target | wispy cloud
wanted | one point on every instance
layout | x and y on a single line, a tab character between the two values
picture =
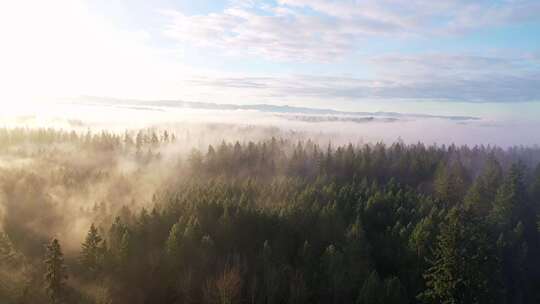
67	49
328	29
281	36
444	77
425	16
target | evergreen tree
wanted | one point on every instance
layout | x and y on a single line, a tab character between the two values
514	220
125	250
229	286
394	292
56	273
370	224
451	182
7	252
464	267
511	199
271	275
371	290
92	253
334	271
481	195
357	255
423	235
174	241
534	188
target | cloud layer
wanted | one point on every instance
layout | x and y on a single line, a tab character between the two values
326	53
329	31
442	77
326	29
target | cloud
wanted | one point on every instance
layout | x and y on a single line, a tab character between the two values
62	48
443	77
421	16
327	29
283	35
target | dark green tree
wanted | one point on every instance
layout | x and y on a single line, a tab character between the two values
451	182
481	195
357	256
56	273
333	261
514	218
535	186
371	290
92	253
464	267
511	199
394	292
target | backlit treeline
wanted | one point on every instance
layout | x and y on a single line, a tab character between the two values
101	140
270	221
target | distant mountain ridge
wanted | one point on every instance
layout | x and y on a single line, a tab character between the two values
147	104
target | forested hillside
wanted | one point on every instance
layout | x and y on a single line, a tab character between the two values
142	217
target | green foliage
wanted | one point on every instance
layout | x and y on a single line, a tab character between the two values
371	292
535	185
481	195
511	199
8	254
92	252
377	291
276	221
334	266
464	267
56	273
451	182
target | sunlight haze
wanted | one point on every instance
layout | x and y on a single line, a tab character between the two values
433	58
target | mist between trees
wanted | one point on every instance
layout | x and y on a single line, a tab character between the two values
182	216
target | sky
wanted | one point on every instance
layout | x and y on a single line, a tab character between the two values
461	57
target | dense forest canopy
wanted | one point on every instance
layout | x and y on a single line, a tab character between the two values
150	217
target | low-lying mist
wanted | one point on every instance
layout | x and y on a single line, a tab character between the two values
195	179
341	127
57	182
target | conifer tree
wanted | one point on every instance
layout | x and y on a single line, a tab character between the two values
534	188
92	251
334	266
451	182
357	255
125	249
7	253
229	286
511	199
371	290
394	292
481	195
513	219
464	267
174	240
56	273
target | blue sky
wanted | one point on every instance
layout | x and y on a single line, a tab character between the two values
443	57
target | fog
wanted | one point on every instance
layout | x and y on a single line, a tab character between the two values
342	127
38	173
68	166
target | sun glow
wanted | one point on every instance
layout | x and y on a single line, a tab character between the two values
57	48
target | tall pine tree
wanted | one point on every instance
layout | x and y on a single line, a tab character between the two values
92	251
56	273
464	266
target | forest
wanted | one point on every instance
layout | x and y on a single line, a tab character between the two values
146	216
